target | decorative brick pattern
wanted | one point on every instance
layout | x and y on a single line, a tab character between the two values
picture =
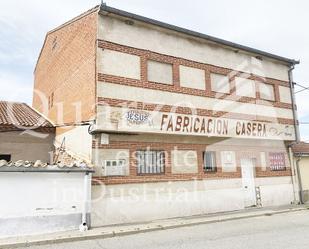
148	55
186	110
133	177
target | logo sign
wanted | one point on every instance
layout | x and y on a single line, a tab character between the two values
137	117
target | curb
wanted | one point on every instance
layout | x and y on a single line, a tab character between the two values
94	234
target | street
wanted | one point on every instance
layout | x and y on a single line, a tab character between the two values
289	230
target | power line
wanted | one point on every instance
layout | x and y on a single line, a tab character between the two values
304	88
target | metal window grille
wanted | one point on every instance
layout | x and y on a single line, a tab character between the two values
277	161
150	162
210	161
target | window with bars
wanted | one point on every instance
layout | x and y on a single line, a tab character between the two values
277	161
209	161
150	162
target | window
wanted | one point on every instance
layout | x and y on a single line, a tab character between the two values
277	161
209	161
5	157
150	162
160	72
115	167
220	83
267	91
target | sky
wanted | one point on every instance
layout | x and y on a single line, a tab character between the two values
275	26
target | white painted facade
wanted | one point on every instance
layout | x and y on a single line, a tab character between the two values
41	202
114	29
125	203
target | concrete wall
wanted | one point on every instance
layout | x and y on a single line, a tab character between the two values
25	146
275	191
78	142
285	94
266	91
119	64
220	83
150	37
127	203
304	174
245	87
192	77
33	203
160	72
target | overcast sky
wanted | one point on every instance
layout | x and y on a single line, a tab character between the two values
276	26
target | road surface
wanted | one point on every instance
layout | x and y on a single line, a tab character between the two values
289	230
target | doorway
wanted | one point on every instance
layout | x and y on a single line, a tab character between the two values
248	183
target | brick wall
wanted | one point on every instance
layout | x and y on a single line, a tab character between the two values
66	70
133	177
175	87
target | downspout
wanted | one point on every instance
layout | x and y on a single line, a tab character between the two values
295	116
84	224
301	199
297	135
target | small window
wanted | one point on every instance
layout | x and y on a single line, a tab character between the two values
277	161
150	162
5	157
209	161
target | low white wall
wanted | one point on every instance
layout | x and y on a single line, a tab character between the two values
276	191
127	203
34	203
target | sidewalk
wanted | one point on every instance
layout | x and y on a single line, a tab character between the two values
127	229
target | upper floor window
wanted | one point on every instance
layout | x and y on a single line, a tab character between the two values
245	87
220	83
267	91
150	161
160	72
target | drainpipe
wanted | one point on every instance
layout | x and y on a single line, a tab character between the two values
297	135
300	185
295	116
84	226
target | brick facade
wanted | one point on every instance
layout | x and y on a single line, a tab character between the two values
65	71
133	177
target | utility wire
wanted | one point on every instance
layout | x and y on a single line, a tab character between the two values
304	88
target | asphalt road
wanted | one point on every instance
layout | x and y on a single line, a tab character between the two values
290	230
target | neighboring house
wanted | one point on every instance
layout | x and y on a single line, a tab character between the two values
175	122
301	156
38	196
24	133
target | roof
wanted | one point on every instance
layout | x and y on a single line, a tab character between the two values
104	8
38	166
301	148
20	116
